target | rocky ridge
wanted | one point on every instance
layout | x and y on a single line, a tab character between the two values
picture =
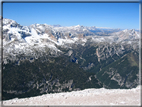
19	39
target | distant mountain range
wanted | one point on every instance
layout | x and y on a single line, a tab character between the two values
42	58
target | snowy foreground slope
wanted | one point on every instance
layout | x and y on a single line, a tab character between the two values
85	97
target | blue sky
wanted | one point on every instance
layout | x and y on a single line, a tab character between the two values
113	15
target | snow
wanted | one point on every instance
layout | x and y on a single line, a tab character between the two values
42	39
84	40
17	46
104	27
75	39
77	26
49	39
41	28
60	41
28	39
34	33
63	41
8	21
14	31
5	27
44	36
84	97
84	29
98	39
51	46
126	30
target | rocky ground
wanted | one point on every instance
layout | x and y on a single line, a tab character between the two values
84	97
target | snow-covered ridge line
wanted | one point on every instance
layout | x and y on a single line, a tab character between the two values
43	35
84	97
37	30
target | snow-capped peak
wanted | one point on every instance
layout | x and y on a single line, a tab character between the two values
43	34
77	26
10	23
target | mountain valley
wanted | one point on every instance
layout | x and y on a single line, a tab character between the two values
41	58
